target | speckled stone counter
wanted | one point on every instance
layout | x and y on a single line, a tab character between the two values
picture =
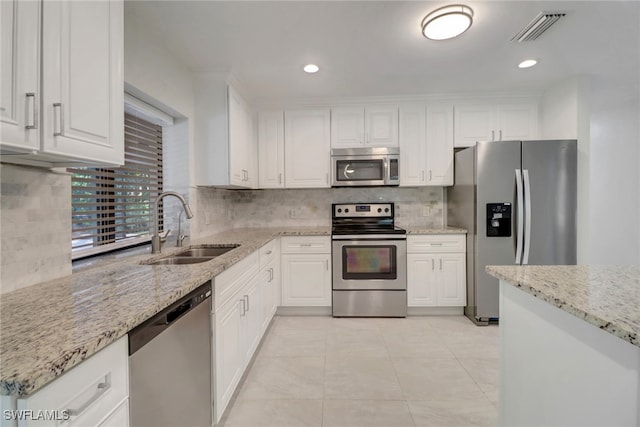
48	328
606	297
435	230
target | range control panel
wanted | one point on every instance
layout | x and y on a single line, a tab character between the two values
364	210
498	219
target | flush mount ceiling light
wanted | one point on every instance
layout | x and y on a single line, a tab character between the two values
527	63
447	22
311	68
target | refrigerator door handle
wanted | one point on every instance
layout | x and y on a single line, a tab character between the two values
520	218
527	206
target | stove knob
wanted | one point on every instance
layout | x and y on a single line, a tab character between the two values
379	210
339	210
386	209
346	210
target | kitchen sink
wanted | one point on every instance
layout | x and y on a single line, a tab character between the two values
193	255
209	251
179	260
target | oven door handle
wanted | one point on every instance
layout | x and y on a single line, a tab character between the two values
369	237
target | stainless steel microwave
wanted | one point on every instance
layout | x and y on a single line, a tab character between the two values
352	167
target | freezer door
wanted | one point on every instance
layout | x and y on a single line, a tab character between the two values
550	231
496	167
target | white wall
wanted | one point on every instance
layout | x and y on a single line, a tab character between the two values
604	116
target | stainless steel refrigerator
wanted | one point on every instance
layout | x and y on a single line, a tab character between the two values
517	199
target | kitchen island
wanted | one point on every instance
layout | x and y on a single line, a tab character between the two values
569	345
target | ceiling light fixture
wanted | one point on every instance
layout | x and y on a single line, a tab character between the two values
311	68
527	63
447	22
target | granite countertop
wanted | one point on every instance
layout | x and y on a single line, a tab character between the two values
607	297
435	230
48	328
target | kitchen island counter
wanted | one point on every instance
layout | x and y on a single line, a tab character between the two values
569	348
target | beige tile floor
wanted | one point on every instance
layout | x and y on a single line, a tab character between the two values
326	372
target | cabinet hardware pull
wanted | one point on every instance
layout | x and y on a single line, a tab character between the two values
493	135
101	389
436	244
327	177
440	264
279	178
34	124
422	179
247	298
60	118
269	252
305	245
326	264
433	267
500	132
271	275
244	307
430	175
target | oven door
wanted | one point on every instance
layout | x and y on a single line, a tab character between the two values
349	171
361	263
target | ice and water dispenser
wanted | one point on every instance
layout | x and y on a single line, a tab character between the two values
498	219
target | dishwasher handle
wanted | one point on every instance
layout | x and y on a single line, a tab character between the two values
152	327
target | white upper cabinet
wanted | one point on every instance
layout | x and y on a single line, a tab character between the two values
20	74
372	126
439	168
413	145
495	122
307	148
79	109
242	147
271	149
226	151
426	145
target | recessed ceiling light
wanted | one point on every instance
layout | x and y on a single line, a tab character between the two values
447	22
527	63
311	68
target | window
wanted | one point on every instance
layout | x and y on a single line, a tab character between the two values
113	208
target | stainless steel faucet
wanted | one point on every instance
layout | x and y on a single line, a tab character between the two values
156	240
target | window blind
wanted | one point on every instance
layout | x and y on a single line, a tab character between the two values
113	208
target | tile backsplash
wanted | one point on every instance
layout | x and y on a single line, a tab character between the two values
312	207
35	225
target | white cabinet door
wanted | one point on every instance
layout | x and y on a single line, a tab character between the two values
347	127
270	282
413	145
252	318
452	280
517	122
82	80
307	148
271	149
306	280
439	153
20	75
422	280
228	352
381	126
242	149
474	123
119	417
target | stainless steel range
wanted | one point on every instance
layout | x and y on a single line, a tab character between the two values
369	256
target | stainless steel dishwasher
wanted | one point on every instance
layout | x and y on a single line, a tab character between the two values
170	365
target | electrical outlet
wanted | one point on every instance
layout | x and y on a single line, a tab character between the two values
426	210
207	218
293	213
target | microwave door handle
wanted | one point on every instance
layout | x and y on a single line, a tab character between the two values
347	171
386	171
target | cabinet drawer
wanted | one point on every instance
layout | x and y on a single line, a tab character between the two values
305	244
268	253
91	390
227	283
436	243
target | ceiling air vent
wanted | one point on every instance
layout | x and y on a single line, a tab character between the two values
539	25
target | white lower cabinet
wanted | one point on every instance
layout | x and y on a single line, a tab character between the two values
436	271
94	393
306	271
245	301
